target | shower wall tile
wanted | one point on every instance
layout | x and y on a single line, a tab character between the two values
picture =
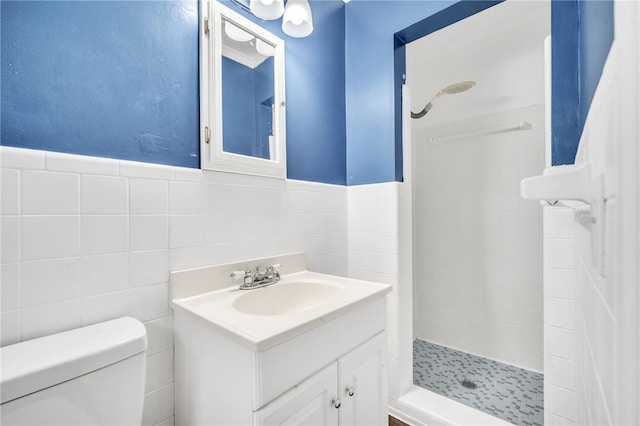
87	239
478	247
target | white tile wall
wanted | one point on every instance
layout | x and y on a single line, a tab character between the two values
44	192
48	281
477	244
47	237
88	239
591	360
374	256
559	318
104	195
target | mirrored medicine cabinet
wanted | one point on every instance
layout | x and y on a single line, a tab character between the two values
242	85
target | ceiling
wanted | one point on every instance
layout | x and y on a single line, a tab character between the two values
500	48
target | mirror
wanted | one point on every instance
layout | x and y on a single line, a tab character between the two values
247	92
242	95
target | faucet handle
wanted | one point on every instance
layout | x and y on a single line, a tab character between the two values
274	268
238	275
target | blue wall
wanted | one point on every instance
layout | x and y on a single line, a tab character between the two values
370	97
315	76
120	80
582	33
108	79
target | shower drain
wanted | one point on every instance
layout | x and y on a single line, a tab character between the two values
468	384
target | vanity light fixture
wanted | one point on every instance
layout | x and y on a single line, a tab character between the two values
267	9
297	20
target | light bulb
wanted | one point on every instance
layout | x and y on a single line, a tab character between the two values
267	9
297	20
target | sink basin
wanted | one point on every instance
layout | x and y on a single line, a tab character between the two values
285	298
262	318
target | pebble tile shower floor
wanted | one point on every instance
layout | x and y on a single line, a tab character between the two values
510	393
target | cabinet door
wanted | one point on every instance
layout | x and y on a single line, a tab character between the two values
309	403
363	384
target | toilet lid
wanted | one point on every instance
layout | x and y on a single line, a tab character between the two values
36	364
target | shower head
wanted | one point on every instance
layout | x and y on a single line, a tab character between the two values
452	89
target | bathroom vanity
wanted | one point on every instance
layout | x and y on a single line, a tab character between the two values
313	353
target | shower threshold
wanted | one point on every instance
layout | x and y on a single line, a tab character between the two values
510	393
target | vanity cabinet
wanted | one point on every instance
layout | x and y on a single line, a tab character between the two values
362	384
350	391
222	380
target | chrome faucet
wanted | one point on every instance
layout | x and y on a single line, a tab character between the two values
258	278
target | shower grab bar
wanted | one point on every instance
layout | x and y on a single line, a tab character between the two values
521	125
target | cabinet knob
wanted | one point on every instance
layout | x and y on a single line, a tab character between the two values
336	402
351	390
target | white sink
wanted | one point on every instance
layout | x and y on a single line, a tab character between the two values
241	354
265	317
287	297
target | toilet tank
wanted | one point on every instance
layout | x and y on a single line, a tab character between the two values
88	376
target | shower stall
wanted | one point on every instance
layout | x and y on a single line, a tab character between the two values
477	246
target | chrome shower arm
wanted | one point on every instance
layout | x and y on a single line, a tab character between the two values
422	113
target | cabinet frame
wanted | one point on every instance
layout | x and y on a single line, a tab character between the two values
221	382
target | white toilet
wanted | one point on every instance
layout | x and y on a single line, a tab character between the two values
88	376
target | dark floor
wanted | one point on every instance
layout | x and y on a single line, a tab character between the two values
510	393
395	422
